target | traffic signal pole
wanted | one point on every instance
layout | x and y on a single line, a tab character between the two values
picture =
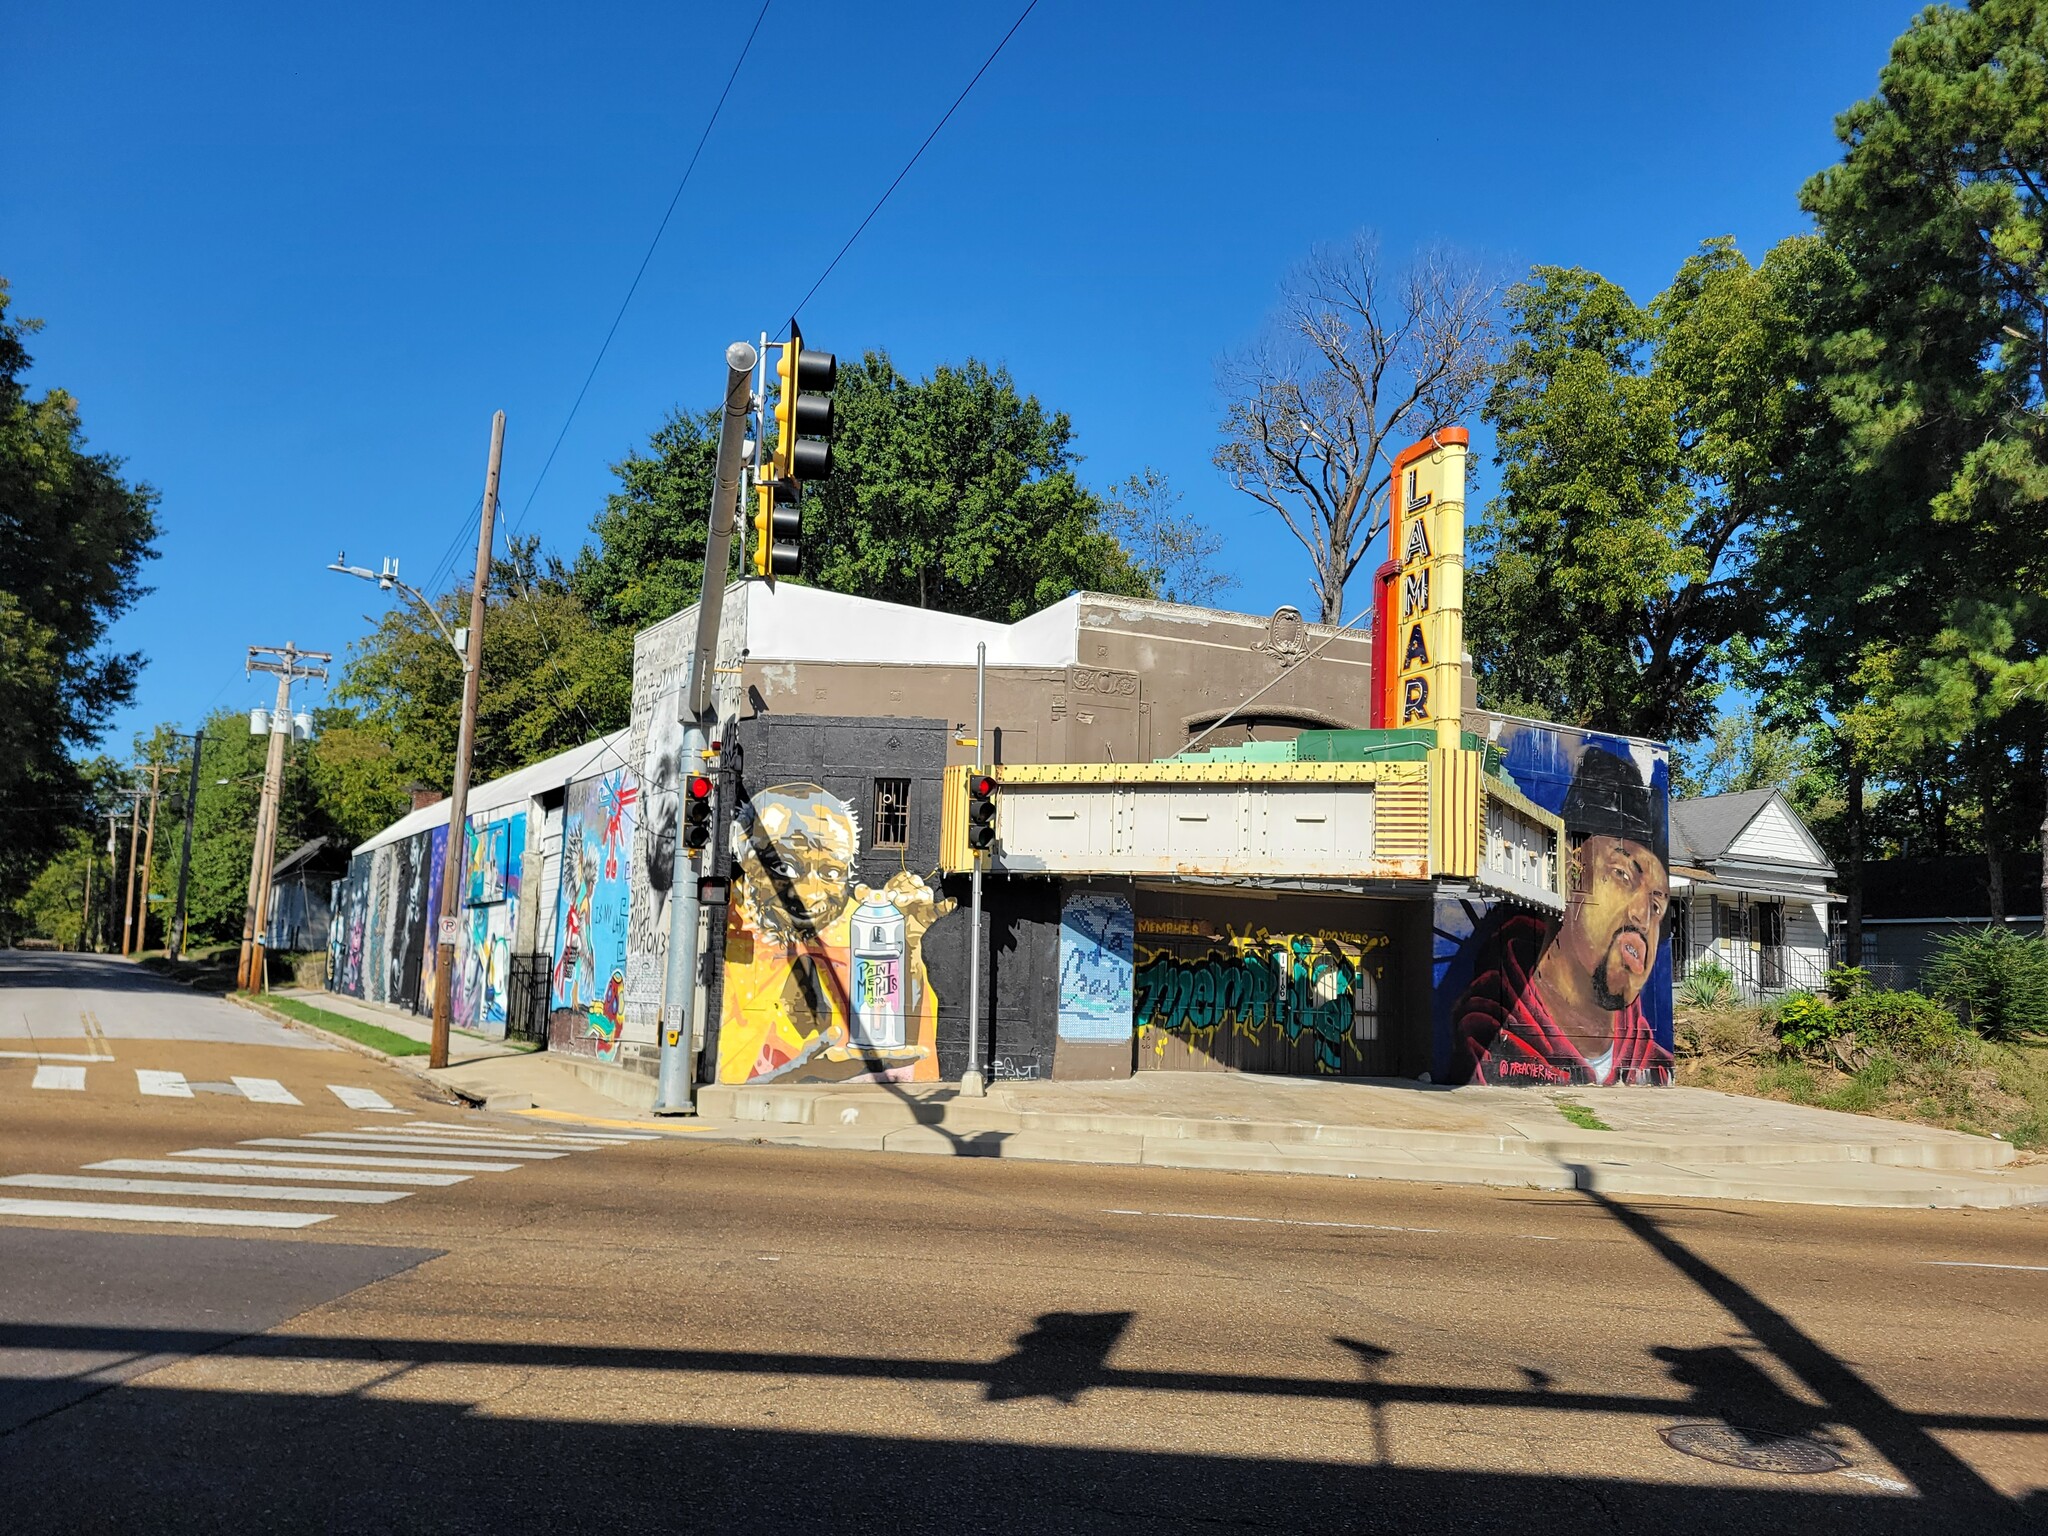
972	1084
676	1093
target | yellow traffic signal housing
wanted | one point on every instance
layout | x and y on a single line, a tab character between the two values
803	451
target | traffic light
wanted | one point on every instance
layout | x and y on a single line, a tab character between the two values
981	812
803	451
698	794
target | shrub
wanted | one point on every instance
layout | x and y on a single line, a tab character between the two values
1997	978
1845	981
1711	985
1912	1027
1802	1022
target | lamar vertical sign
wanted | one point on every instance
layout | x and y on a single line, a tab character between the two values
1420	602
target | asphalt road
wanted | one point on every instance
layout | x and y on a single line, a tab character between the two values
661	1333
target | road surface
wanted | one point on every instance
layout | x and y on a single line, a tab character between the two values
510	1322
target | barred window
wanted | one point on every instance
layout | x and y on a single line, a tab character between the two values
892	813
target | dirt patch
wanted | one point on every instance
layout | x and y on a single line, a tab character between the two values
2001	1091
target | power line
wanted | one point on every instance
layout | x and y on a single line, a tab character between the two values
912	161
634	287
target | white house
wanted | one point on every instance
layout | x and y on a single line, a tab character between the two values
1749	890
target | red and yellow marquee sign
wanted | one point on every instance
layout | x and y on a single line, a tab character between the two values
1419	606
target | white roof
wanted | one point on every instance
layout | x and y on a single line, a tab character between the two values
513	790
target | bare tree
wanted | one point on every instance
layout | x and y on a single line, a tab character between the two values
1352	358
1176	550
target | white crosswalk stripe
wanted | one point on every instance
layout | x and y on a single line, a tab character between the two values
265	1090
454	1133
168	1085
362	1143
578	1135
338	1160
185	1187
266	1171
364	1098
198	1216
60	1077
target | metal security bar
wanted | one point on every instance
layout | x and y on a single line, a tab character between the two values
526	1001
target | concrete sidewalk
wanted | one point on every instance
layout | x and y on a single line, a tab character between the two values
1661	1141
1688	1142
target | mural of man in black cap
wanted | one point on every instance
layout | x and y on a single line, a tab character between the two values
1562	1003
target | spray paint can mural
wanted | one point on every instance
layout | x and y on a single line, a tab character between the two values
879	970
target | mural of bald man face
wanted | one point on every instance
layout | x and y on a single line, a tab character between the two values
1620	893
794	849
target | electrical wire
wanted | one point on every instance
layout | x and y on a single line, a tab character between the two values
1031	6
634	286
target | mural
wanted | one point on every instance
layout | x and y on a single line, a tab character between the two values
484	954
1522	998
824	977
654	747
351	918
490	851
376	974
589	977
1260	1000
1097	944
430	952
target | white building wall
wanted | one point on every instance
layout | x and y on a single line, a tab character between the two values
1775	835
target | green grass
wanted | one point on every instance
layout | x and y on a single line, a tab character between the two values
1583	1117
377	1038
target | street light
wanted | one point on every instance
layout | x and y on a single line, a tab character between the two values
387	580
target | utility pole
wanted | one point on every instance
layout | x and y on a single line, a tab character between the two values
113	875
457	859
148	861
134	847
175	940
290	665
85	916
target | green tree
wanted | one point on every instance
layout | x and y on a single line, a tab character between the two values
73	538
552	679
1914	561
1636	443
648	558
954	492
959	493
1178	554
53	905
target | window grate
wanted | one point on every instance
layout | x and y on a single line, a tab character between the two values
892	813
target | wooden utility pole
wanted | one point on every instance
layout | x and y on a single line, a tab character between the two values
291	664
456	861
85	917
148	862
134	847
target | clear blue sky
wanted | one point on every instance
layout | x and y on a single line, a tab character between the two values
292	258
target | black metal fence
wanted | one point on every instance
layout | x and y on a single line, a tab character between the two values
526	1000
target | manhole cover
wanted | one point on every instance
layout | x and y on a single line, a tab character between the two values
1755	1450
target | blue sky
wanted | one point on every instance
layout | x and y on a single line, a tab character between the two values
292	258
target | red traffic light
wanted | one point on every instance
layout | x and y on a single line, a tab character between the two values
699	787
981	786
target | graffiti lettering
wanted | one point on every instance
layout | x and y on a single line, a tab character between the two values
1298	985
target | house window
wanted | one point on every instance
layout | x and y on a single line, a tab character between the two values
892	813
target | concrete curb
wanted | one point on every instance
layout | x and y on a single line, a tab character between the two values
1955	1172
402	1063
